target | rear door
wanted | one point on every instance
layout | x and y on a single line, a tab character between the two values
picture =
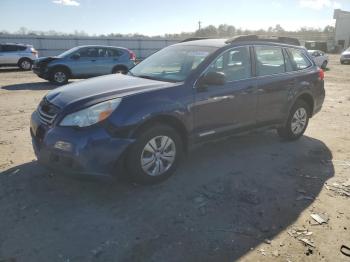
9	54
107	58
232	105
276	82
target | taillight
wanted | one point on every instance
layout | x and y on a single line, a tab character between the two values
34	52
132	55
320	74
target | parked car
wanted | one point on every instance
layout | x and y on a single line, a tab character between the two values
345	57
320	58
20	55
185	94
84	62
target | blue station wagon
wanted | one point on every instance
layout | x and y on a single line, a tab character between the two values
184	94
84	62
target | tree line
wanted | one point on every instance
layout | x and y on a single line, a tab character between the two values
220	31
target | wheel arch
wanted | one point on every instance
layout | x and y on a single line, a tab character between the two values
309	100
120	66
61	66
168	120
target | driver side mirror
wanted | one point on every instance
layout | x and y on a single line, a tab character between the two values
213	78
75	56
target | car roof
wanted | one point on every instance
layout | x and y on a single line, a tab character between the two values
103	46
220	42
19	44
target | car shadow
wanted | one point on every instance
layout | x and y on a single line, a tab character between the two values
227	197
10	69
30	86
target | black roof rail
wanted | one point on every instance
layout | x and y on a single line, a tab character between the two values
276	39
194	39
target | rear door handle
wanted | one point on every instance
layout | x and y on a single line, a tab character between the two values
93	60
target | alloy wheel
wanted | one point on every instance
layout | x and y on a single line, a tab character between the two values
299	121
158	155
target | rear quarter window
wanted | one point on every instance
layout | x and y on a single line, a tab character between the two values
298	59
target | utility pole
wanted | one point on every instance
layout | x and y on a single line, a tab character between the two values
199	25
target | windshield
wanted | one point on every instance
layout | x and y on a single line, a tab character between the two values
172	64
68	52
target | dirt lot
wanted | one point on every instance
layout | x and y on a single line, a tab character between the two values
247	198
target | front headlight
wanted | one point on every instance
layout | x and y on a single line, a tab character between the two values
92	114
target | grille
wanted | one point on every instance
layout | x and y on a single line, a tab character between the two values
347	56
47	112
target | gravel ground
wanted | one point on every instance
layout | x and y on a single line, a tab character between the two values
246	198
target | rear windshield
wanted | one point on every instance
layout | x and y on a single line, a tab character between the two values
172	64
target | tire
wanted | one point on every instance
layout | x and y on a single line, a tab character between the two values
120	70
148	150
297	122
59	76
324	65
25	64
342	62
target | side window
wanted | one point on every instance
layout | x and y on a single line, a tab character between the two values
113	52
88	52
299	59
21	48
269	60
102	52
288	63
235	64
9	48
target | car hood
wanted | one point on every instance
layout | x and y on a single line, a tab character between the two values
346	53
102	88
45	59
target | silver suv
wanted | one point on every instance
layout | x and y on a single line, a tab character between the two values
20	55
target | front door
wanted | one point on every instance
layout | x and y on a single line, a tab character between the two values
229	106
84	62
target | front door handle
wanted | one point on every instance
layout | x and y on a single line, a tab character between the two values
93	60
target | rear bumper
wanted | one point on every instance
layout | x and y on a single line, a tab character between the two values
319	95
345	59
90	151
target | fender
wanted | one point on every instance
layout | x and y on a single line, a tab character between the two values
154	106
304	93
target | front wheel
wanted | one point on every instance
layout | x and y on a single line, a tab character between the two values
155	155
59	76
297	122
25	64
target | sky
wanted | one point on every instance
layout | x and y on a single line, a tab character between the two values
158	17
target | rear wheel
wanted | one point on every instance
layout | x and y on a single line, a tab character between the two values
297	121
120	70
25	64
324	65
155	155
59	76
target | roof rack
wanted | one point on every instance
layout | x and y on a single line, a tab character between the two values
276	39
194	39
